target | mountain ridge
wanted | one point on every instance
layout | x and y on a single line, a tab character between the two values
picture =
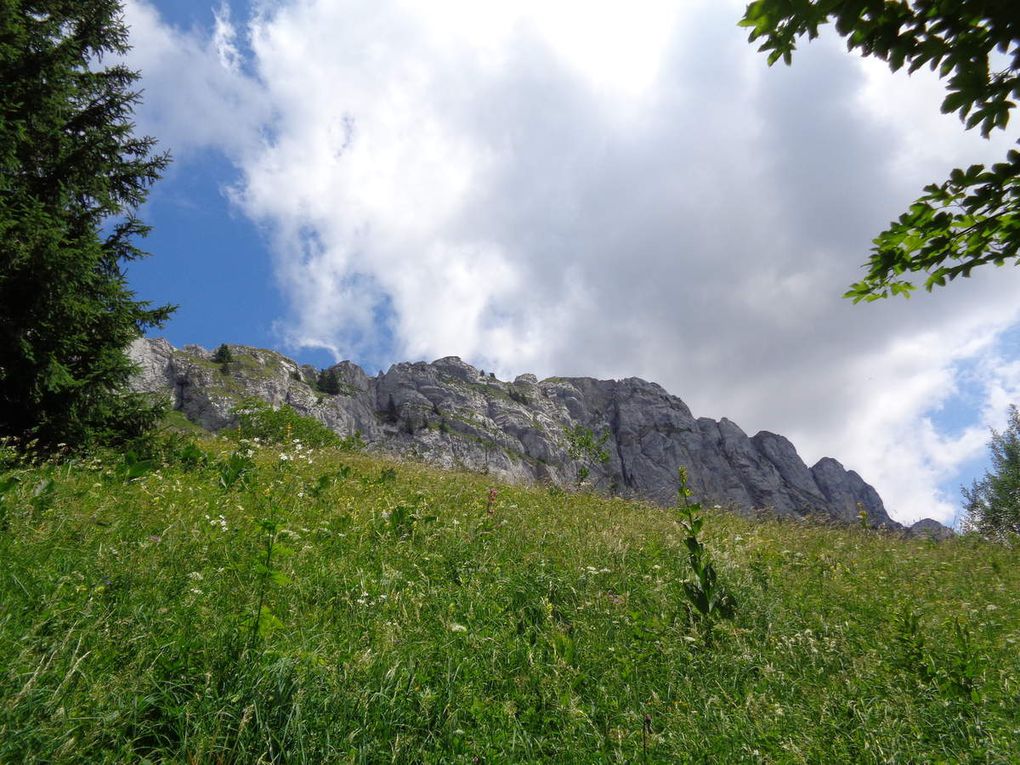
449	413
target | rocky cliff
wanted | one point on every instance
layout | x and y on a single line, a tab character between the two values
449	413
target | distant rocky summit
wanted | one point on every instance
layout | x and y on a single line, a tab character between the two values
451	414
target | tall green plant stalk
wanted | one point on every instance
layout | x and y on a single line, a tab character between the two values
263	619
707	599
265	573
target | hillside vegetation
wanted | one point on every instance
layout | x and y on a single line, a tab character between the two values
232	601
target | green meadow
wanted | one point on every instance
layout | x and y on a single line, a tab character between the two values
225	601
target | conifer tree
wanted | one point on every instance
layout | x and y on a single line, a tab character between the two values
72	173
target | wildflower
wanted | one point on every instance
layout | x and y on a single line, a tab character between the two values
196	576
454	627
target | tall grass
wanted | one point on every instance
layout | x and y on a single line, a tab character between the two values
408	615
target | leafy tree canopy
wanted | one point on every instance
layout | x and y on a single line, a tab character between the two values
973	218
992	504
71	173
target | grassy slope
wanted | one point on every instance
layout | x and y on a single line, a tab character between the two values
404	623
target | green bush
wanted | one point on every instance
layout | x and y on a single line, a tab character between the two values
330	382
588	449
257	419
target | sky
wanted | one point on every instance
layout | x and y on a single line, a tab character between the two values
571	188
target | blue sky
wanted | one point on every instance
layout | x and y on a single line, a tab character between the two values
209	260
187	14
214	263
562	188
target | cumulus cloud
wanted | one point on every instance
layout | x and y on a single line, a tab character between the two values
569	188
196	96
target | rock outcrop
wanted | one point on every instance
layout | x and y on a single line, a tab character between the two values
449	413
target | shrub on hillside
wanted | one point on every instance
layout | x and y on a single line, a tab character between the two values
257	419
587	449
331	382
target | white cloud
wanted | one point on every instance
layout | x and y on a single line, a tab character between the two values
225	40
575	189
195	94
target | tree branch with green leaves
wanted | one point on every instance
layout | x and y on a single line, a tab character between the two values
973	218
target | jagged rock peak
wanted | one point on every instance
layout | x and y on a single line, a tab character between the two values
448	413
453	367
931	529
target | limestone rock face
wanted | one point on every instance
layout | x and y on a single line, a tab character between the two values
846	491
931	529
449	413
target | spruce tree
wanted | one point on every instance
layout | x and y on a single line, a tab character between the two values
72	173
